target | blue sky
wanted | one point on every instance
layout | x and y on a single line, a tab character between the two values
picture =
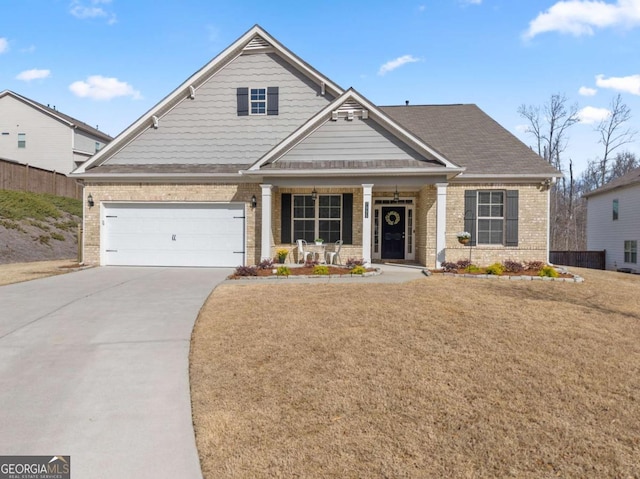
107	62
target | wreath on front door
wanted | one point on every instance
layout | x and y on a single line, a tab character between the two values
392	218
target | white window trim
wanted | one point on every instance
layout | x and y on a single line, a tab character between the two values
316	214
633	248
24	140
503	217
258	101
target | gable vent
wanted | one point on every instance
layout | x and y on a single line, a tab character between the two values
257	43
350	109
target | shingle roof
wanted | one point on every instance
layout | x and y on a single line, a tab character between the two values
630	178
69	119
228	168
469	137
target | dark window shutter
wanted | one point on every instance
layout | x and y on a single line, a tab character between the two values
347	218
470	199
272	100
285	218
511	223
242	95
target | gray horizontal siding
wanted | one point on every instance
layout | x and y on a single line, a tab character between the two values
356	140
207	130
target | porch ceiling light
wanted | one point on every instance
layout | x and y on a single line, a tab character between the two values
396	196
314	194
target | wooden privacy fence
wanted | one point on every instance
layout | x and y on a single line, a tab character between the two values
16	176
580	259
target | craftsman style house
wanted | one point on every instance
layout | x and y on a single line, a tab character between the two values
258	149
37	135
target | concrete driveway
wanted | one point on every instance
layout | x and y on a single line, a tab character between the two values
94	364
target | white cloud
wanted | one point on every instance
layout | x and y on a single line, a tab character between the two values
4	45
591	114
397	63
586	91
98	87
34	74
522	128
471	2
93	9
581	17
628	84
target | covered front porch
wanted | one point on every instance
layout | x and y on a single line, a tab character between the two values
382	219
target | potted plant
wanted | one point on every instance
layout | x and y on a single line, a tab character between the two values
464	237
319	241
282	253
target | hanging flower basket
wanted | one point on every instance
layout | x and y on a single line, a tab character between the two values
464	237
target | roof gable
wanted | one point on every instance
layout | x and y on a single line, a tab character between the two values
57	115
365	123
256	40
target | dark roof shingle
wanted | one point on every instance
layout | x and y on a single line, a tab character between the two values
469	137
630	178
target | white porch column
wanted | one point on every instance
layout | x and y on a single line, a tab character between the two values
441	223
367	208
265	247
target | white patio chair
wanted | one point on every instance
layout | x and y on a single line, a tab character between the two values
330	256
303	253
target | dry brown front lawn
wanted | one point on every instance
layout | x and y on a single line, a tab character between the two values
19	272
440	377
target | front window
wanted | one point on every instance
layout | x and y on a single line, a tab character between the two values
258	101
317	219
22	140
490	217
615	210
631	251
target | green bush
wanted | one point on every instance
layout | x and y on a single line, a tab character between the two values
495	268
548	271
359	269
283	271
321	269
472	268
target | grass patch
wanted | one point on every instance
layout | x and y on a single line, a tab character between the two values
18	205
57	236
440	377
39	225
69	225
12	225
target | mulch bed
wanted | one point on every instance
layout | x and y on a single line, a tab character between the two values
482	272
300	271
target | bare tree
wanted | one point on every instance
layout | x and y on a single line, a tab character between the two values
613	135
550	130
549	125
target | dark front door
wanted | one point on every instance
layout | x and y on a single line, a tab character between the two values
393	232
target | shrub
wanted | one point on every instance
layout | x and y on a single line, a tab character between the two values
283	271
57	236
321	269
512	266
351	262
472	268
548	271
246	271
495	268
534	265
463	263
358	269
265	264
449	266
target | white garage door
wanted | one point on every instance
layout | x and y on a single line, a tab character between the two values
173	234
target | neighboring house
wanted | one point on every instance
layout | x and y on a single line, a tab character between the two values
258	149
41	136
613	221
